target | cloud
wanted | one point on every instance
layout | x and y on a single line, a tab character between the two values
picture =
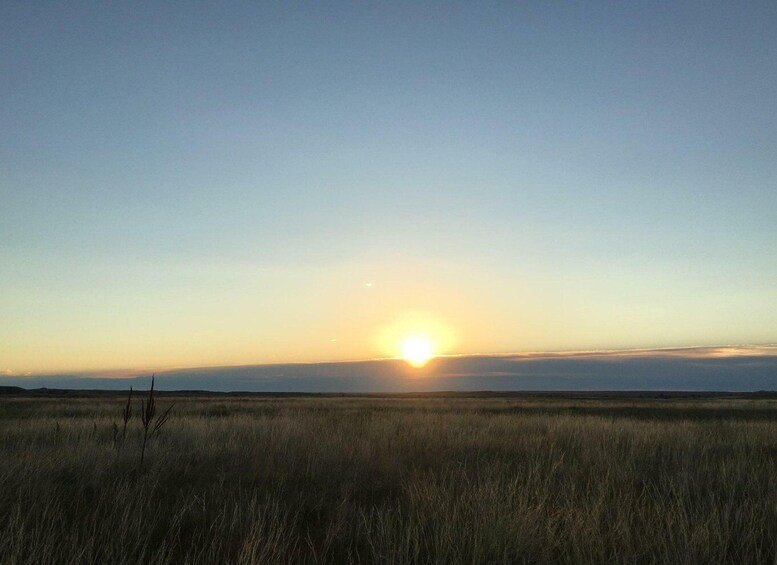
731	368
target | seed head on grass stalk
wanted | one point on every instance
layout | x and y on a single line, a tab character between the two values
151	424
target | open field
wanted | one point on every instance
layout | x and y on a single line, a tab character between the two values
427	479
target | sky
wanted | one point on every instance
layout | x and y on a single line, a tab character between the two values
190	185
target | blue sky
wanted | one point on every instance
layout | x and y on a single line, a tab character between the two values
204	184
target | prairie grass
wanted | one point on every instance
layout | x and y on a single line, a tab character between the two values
391	480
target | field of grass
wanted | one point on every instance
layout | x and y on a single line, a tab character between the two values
536	479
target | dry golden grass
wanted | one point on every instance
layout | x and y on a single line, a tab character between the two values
391	480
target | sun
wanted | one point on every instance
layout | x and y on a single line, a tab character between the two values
416	338
417	350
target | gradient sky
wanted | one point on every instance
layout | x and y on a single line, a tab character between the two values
223	183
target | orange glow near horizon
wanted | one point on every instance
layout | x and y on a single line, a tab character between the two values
135	327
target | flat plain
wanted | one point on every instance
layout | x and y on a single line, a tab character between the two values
482	478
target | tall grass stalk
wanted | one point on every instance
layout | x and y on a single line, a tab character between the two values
151	424
126	416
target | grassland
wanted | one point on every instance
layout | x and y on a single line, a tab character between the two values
536	479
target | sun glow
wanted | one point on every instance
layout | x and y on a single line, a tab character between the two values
417	350
415	337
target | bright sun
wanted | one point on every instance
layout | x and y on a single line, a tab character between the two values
417	350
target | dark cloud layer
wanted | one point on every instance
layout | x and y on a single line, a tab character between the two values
691	369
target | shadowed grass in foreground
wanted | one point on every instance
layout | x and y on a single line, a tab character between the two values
371	480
